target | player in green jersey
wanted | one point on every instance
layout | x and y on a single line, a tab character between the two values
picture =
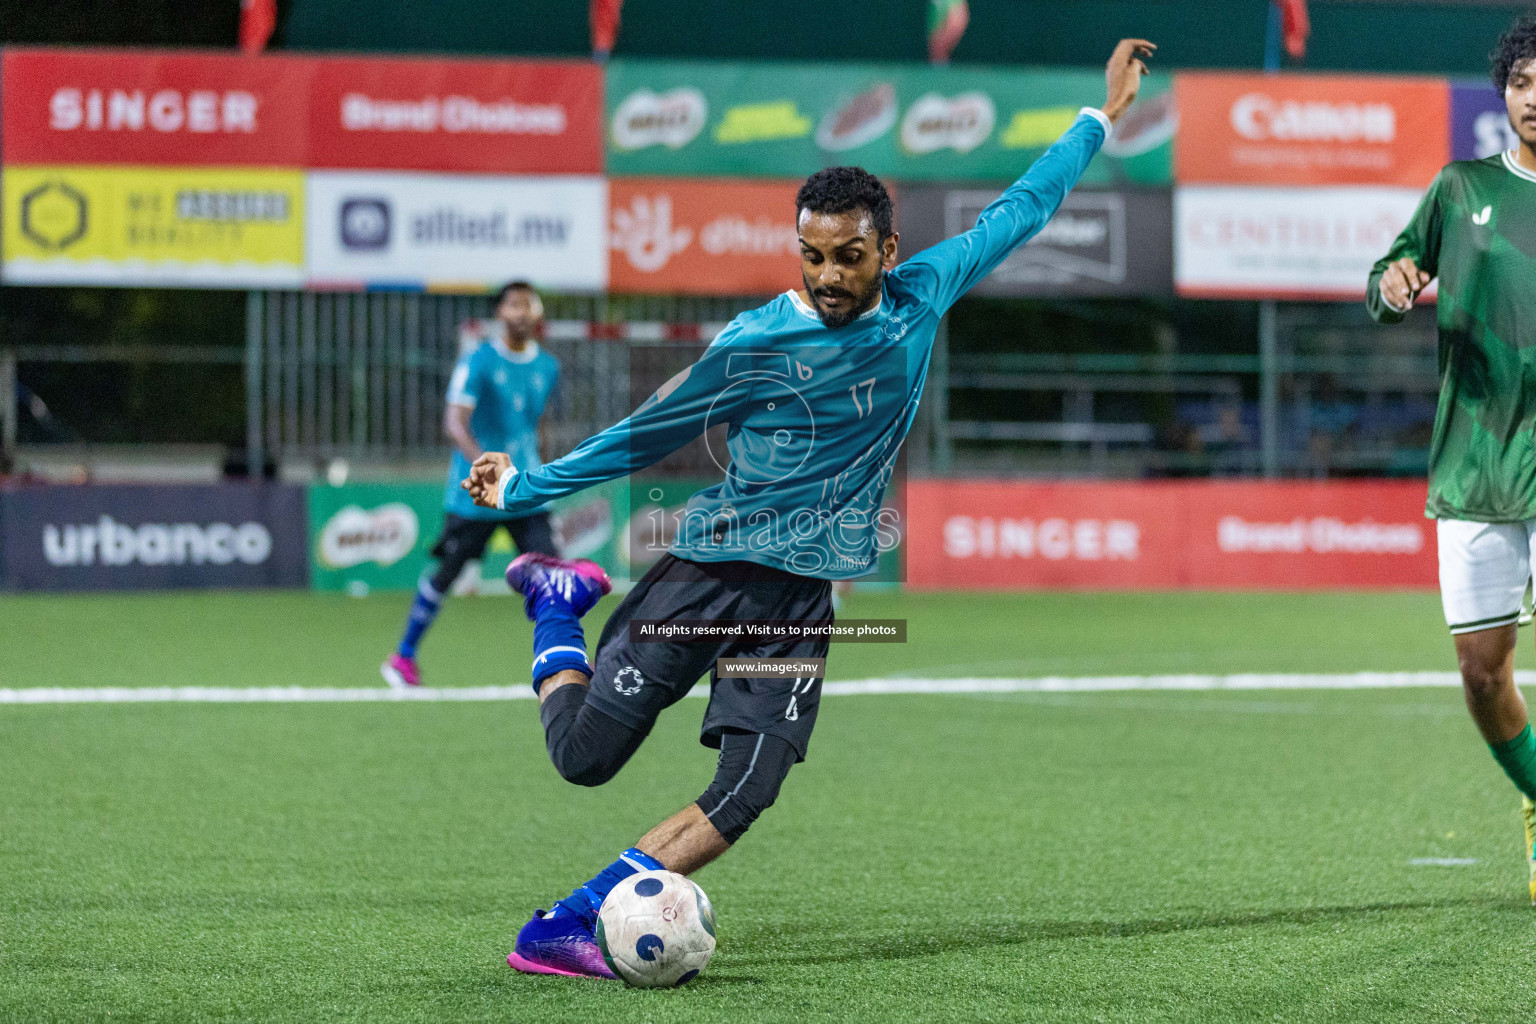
1476	231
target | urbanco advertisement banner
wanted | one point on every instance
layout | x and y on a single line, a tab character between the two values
786	120
212	227
456	232
150	537
153	107
997	535
487	116
1480	125
1284	243
1100	243
700	237
1245	129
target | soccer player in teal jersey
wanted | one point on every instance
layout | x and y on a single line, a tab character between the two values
816	391
496	397
1476	231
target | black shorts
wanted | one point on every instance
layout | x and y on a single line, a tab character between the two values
634	682
463	539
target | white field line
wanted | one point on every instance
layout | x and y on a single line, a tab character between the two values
1043	684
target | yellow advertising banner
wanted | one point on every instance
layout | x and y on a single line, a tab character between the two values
156	226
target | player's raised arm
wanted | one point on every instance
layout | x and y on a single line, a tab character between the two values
679	411
1408	267
949	269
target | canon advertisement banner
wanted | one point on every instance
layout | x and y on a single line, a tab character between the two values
456	232
994	535
1098	244
682	237
1310	130
490	116
1284	243
142	537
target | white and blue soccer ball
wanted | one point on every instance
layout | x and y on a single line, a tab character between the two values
656	929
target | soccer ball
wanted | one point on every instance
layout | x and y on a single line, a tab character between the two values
656	929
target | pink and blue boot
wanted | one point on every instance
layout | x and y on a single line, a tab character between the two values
559	944
578	583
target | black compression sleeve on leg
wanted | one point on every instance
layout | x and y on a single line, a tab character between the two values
586	746
448	569
752	768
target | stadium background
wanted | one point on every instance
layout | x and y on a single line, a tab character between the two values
1193	313
1198	753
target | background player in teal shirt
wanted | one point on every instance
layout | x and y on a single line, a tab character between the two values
496	397
816	392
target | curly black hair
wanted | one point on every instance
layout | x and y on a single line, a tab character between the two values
1516	47
841	189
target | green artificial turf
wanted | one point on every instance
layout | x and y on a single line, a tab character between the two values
301	639
1135	857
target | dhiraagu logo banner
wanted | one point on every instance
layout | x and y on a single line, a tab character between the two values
787	120
156	226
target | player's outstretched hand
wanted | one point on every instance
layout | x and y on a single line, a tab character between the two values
1401	283
484	475
1122	76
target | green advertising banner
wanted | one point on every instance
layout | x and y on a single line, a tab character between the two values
786	120
379	536
372	536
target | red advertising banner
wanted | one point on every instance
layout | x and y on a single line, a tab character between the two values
486	116
84	107
721	237
995	535
148	107
1240	129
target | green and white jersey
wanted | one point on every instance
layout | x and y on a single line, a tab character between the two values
1476	231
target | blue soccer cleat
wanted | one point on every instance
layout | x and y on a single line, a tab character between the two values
577	582
561	945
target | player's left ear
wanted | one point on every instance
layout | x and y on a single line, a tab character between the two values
888	251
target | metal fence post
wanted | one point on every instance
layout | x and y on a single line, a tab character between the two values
1269	389
7	401
255	456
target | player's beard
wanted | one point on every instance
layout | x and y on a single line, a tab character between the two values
862	303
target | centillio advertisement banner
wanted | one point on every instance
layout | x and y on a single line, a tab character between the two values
456	232
1099	243
784	120
147	537
160	226
1284	243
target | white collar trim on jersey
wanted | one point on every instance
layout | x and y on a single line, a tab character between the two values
529	353
799	303
1513	166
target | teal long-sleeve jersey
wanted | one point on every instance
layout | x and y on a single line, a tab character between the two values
813	417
